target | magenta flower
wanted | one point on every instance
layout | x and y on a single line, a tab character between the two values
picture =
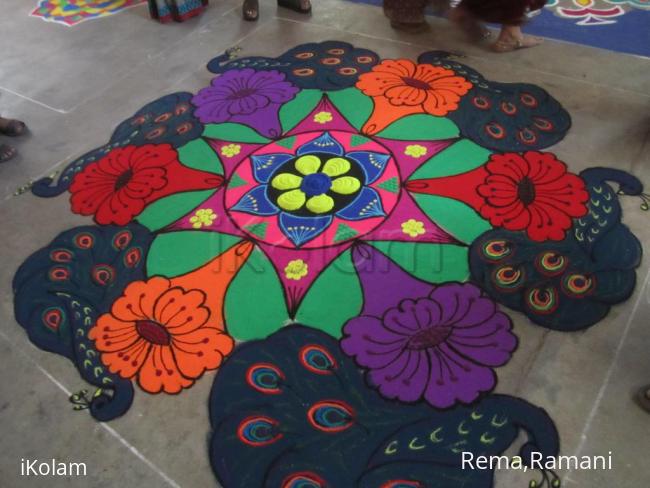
247	97
441	347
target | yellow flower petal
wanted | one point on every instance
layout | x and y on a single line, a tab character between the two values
345	185
230	150
413	228
296	269
320	204
291	200
308	165
336	167
415	150
323	117
286	181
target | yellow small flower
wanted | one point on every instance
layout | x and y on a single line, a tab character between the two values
296	269
230	150
203	217
415	150
413	228
323	117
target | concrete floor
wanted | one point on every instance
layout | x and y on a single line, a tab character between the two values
73	85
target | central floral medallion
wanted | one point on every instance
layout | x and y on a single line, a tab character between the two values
313	189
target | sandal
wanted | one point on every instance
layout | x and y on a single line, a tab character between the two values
643	398
12	127
251	10
300	6
505	46
7	152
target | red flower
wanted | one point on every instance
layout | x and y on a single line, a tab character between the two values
117	187
532	192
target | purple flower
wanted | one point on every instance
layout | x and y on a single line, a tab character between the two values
247	97
440	347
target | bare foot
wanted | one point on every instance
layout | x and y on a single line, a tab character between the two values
507	44
472	27
7	152
12	127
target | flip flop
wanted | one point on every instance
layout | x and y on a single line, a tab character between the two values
502	46
296	5
12	127
7	152
643	398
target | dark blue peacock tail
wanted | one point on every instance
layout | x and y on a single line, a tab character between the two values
293	410
62	289
329	65
168	120
504	116
573	283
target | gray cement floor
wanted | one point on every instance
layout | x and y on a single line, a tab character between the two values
73	85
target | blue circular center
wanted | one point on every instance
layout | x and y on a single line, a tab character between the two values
316	184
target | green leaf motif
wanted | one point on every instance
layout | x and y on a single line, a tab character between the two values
197	248
357	140
288	143
434	263
257	229
167	210
199	155
297	109
421	127
255	305
453	216
391	185
458	158
334	298
236	181
344	232
233	132
353	105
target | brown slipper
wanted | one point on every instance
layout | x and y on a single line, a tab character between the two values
12	127
643	398
7	152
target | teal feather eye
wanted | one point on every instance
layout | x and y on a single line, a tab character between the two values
578	285
496	249
122	240
258	431
508	278
542	300
331	416
61	255
84	240
317	359
551	263
52	318
304	479
265	378
402	484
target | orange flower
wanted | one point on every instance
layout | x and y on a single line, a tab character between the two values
401	87
161	333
